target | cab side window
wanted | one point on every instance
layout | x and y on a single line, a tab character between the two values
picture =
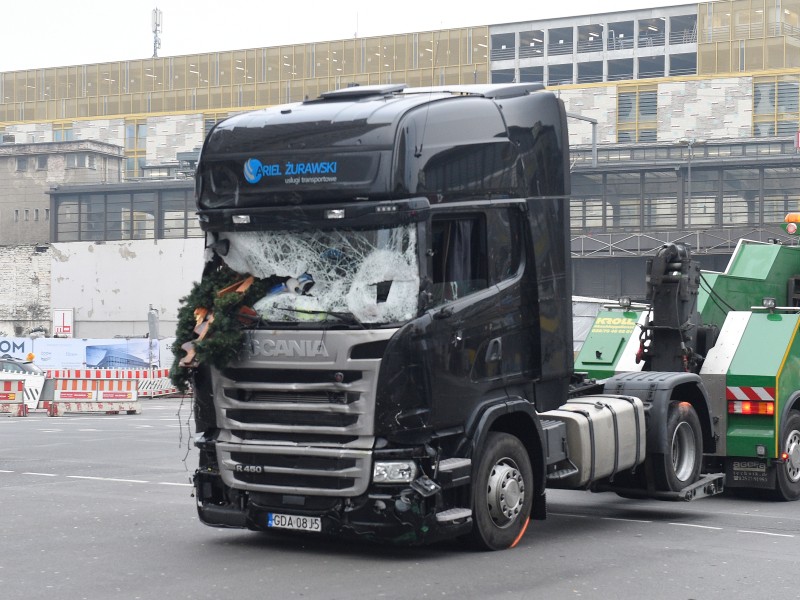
460	257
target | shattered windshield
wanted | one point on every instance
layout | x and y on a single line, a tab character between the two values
370	276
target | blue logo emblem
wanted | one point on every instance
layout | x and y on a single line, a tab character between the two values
252	170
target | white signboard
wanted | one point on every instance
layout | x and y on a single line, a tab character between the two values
16	347
63	322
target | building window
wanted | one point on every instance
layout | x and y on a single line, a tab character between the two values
211	119
637	113
46	214
41	163
776	105
62	132
16	215
76	160
22	163
35	214
27	215
135	147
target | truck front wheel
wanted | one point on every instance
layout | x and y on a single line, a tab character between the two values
788	487
502	493
680	466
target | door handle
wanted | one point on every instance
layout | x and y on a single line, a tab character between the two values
494	352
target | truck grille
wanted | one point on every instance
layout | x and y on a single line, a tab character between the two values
299	425
295	470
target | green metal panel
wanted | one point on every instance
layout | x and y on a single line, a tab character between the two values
745	432
755	271
759	362
603	347
761	350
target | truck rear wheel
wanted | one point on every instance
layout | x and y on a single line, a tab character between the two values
788	486
681	465
502	493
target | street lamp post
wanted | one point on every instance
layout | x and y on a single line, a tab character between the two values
690	144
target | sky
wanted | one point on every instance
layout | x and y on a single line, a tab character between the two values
53	33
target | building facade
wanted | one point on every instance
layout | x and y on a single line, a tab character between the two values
29	170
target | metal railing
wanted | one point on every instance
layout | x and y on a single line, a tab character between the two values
649	40
559	49
707	241
502	53
686	36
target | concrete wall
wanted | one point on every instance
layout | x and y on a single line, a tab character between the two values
112	285
708	109
168	135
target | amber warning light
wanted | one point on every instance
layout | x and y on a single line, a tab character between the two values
750	407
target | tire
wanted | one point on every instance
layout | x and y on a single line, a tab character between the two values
502	493
788	474
681	465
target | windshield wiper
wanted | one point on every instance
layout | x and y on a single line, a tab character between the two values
344	317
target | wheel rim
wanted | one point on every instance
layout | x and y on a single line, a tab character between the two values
683	451
505	492
793	450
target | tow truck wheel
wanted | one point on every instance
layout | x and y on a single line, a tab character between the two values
502	494
788	487
680	466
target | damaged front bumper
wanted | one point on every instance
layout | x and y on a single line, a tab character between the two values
407	515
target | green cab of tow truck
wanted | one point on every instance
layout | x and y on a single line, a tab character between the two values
612	343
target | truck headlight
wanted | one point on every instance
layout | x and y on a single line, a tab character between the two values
396	471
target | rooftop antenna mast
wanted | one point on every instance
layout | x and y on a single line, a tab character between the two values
157	22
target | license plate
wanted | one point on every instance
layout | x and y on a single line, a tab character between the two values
280	521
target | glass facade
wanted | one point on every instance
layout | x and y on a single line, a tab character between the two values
748	35
674	188
243	79
125	213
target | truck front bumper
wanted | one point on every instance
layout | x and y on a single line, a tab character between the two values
402	516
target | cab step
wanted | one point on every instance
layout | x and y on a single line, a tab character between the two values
451	515
454	472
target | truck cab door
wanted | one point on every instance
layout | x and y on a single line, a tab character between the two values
475	341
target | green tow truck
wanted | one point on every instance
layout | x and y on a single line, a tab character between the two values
734	335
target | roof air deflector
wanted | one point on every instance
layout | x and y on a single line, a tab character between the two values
364	91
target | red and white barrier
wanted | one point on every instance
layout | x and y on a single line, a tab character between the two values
12	398
82	395
151	382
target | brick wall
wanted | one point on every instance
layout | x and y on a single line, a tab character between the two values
24	289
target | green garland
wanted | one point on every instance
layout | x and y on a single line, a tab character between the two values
225	335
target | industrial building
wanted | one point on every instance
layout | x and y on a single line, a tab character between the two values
685	129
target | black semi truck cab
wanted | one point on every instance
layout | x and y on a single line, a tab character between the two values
380	345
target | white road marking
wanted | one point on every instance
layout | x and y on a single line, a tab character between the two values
697	526
628	520
107	479
94	478
765	533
